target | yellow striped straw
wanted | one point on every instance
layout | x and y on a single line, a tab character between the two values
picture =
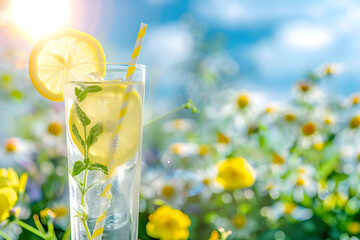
99	226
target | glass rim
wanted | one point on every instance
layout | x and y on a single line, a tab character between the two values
138	66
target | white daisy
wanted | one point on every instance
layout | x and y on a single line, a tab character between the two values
179	125
209	185
171	190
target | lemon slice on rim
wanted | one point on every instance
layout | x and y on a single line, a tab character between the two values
103	107
66	55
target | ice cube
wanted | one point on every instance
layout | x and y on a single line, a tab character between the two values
92	77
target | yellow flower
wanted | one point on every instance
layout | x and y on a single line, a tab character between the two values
214	235
289	208
319	146
8	199
203	150
277	159
309	129
301	181
10	187
234	173
167	223
243	100
355	122
47	212
168	191
60	210
11	145
302	170
329	120
223	138
322	185
177	148
329	69
353	228
290	117
239	221
355	99
23	180
270	109
335	200
55	128
9	178
206	181
304	86
269	186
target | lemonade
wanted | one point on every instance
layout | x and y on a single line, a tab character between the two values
103	107
115	164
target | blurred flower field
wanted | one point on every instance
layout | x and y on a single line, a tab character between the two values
229	164
240	168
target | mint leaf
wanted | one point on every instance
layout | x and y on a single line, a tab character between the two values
78	168
95	131
98	166
76	133
82	96
93	88
86	161
81	115
78	91
91	140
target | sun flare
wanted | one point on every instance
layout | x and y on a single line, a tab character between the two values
40	17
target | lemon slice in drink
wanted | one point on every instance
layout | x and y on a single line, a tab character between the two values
104	107
57	58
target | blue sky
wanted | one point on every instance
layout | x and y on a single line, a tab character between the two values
274	42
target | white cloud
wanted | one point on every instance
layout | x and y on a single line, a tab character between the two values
305	36
168	45
234	14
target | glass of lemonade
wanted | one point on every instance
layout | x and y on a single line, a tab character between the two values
104	134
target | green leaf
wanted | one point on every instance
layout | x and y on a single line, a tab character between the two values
81	115
327	167
98	166
262	140
87	161
338	177
78	168
93	88
330	138
76	133
95	131
78	92
82	96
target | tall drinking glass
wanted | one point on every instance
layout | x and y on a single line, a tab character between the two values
104	134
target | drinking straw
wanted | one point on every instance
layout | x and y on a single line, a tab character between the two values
100	222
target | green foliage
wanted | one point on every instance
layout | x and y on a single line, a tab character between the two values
191	106
76	133
81	93
98	166
85	121
95	131
78	167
